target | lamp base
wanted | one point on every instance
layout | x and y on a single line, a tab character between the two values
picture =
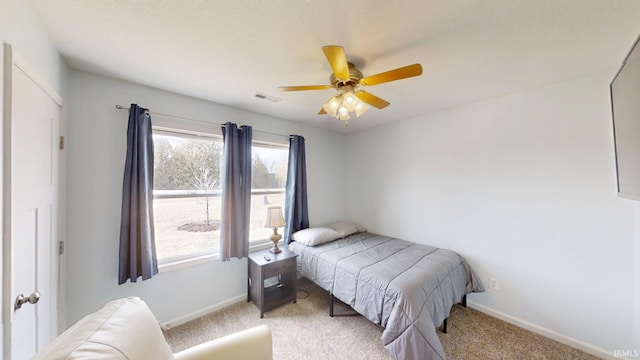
275	238
275	250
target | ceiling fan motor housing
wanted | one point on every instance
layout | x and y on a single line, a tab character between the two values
354	78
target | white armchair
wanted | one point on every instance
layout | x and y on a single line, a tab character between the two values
249	344
127	329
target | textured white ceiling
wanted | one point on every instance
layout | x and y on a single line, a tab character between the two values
226	51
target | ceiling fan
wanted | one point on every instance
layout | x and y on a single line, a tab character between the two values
346	78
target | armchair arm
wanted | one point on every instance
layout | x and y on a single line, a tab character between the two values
251	344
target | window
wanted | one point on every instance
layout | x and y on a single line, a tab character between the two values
187	204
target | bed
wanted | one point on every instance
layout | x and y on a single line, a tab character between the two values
404	287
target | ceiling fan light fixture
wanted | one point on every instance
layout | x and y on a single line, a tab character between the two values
361	108
331	106
340	105
349	101
343	113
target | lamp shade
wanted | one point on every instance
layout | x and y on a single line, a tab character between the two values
274	217
361	108
349	101
331	106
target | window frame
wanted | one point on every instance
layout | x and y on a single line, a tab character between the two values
184	261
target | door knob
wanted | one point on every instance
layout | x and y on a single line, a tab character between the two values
21	300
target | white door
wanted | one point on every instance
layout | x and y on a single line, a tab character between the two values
31	209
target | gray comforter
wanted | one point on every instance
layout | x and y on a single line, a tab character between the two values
404	287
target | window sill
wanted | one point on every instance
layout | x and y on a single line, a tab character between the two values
177	264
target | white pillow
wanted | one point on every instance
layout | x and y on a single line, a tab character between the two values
315	236
347	228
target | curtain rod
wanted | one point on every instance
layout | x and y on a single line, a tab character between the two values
120	107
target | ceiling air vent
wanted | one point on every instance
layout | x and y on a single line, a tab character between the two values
262	96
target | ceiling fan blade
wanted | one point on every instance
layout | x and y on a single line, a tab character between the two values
321	112
338	61
305	87
391	75
372	99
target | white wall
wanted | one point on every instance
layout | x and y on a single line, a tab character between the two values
96	143
636	282
19	27
524	187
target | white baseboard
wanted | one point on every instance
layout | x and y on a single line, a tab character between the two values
588	348
196	314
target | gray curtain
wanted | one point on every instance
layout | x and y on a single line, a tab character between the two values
236	191
137	239
296	212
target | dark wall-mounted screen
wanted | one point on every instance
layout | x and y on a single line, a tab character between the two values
625	104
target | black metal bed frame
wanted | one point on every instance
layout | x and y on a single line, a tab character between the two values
444	323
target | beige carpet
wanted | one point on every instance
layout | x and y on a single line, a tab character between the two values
305	331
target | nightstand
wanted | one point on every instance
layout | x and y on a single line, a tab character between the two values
282	266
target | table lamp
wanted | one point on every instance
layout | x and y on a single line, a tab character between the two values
274	221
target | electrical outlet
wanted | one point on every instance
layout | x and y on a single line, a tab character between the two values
494	284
